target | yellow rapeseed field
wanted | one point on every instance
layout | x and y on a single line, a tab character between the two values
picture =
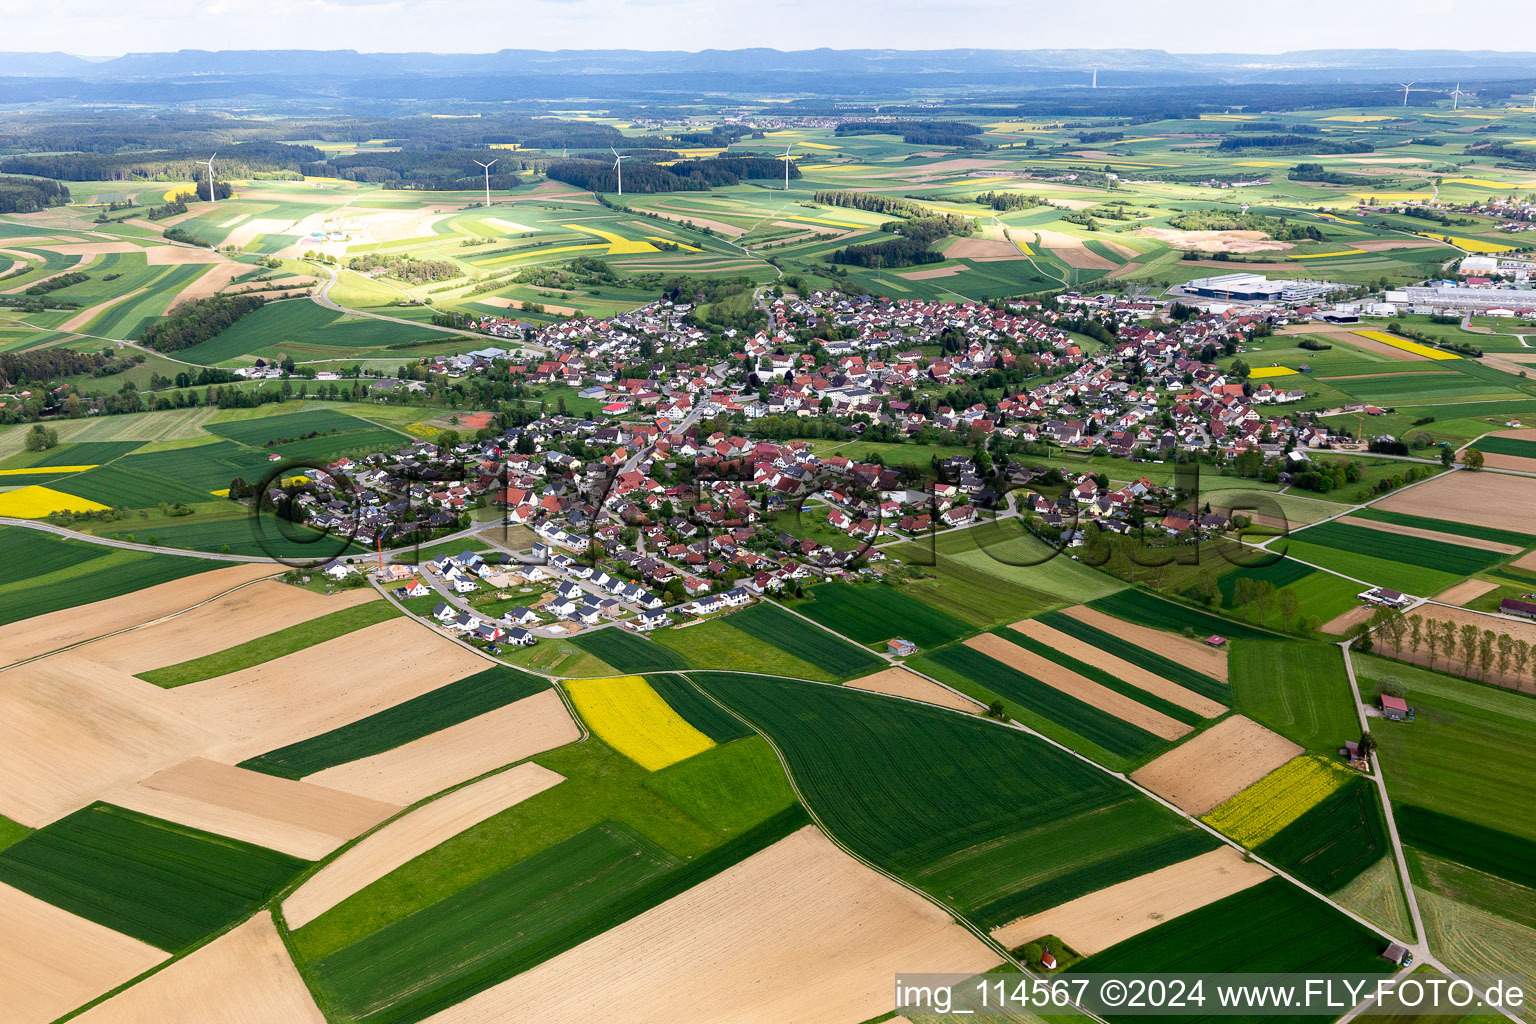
633	719
36	502
1407	346
1469	244
1259	373
45	469
1279	798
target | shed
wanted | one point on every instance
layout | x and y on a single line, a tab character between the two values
900	647
1394	708
1398	955
1215	641
1047	960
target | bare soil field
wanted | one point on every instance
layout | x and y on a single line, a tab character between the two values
1092	923
411	836
1176	648
249	231
1341	625
506	303
243	977
299	818
1215	241
328	685
1225	759
1387	244
52	961
84	249
431	764
1513	462
1525	561
746	947
1086	690
209	283
1120	669
72	729
1470	590
79	321
685	216
234	618
1484	499
983	248
1072	250
898	682
924	275
40	634
1444	538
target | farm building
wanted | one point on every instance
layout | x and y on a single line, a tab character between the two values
1393	708
899	647
1398	955
1514	606
1386	598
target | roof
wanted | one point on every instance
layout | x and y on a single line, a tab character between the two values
1391	703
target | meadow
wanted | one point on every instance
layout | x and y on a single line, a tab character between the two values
166	884
446	706
971	593
774	626
627	652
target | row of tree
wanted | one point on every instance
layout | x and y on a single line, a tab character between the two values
1483	650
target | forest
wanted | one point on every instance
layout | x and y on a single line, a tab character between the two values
683	176
26	195
193	323
243	160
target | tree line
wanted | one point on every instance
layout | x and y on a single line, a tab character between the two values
28	195
873	202
1480	650
242	160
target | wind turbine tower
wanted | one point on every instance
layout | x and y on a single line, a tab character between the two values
786	166
1456	95
212	198
1095	79
488	167
1407	87
618	165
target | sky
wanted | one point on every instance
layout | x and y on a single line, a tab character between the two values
112	27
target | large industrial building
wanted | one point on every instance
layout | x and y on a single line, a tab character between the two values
1458	297
1257	288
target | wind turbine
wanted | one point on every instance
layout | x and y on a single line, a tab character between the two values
488	178
1407	87
212	198
1456	95
618	165
1095	84
786	166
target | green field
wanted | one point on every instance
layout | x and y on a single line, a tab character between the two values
1470	530
788	632
166	884
1177	712
288	427
1385	572
1453	838
627	652
699	711
871	614
1076	723
1300	933
1334	841
307	329
966	809
420	716
1416	551
273	645
1507	446
1140	607
718	645
1299	690
111	574
972	593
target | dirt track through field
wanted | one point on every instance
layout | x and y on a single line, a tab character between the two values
1133	674
51	961
431	764
1225	759
411	836
298	818
898	682
746	946
1340	625
1072	684
1092	923
243	977
1496	500
1469	590
236	618
42	633
1435	535
1178	649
